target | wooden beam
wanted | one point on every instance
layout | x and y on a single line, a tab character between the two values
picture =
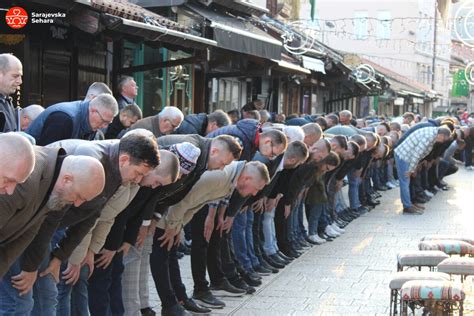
164	64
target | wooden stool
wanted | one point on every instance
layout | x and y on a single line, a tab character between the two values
399	278
432	295
418	258
450	247
463	266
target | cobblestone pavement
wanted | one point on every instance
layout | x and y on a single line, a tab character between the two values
350	275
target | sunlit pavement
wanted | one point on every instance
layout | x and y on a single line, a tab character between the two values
350	275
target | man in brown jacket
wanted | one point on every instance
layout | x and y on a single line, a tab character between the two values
17	160
56	182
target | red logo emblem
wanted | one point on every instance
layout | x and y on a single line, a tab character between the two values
16	18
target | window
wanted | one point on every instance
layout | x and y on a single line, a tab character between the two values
384	24
360	25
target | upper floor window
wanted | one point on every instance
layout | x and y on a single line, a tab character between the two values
361	25
384	24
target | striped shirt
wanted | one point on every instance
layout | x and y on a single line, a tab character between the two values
417	146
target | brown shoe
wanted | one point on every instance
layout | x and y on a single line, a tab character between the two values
418	206
412	210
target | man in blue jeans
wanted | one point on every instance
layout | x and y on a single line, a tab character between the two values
410	152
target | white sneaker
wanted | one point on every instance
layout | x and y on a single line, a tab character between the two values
337	228
390	185
331	232
316	239
470	168
429	193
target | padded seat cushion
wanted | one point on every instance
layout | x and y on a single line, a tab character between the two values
429	258
399	278
432	290
449	237
451	247
463	266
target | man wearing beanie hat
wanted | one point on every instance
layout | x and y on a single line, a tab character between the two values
187	154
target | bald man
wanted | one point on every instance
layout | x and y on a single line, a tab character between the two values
17	160
11	71
56	182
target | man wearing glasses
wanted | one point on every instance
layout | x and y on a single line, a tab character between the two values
76	119
164	123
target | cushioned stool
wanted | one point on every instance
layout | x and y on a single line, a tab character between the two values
418	258
399	278
449	237
433	295
463	266
450	247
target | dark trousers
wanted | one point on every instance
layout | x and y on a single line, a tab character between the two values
203	254
446	168
257	235
166	274
281	227
229	264
105	289
468	152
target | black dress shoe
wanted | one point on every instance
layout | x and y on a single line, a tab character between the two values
175	310
267	266
251	281
224	288
281	254
254	274
276	260
262	270
289	253
207	299
147	311
241	284
193	307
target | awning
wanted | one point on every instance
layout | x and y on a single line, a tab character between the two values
154	32
290	67
240	35
243	6
313	64
129	18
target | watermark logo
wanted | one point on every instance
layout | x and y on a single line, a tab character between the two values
364	73
298	38
16	18
464	23
469	73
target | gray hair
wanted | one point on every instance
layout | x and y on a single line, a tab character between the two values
312	129
346	113
219	117
122	82
293	133
6	61
32	111
132	110
105	102
171	113
97	88
141	132
264	116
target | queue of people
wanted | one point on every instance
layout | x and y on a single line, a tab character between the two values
95	199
